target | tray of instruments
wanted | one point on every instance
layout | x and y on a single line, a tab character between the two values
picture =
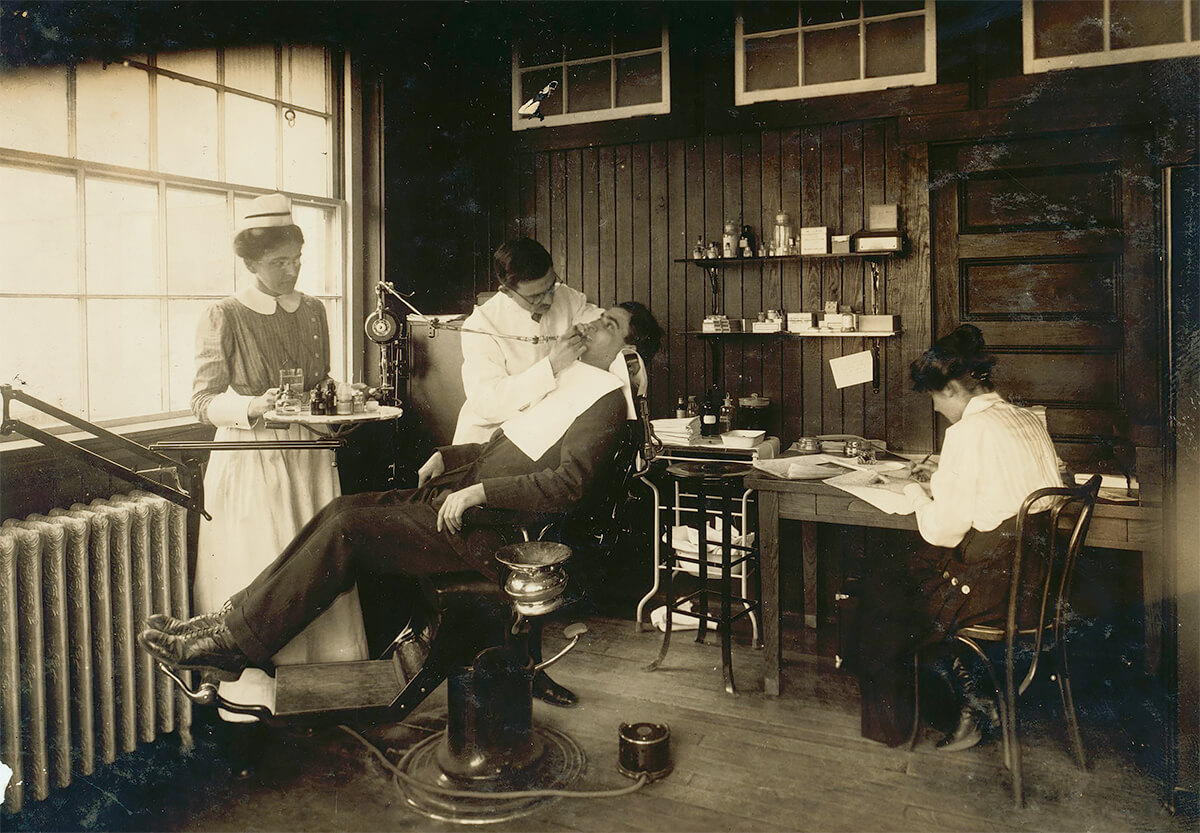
332	424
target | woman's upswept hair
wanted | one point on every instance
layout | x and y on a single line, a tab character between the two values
960	356
645	334
253	243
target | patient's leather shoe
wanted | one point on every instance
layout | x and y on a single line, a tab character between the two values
211	649
167	623
548	691
965	735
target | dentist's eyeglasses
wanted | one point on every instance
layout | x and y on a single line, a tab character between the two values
534	300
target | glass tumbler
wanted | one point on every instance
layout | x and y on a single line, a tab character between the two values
291	387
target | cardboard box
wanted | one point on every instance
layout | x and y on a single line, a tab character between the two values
883	217
840	244
878	323
814	240
878	243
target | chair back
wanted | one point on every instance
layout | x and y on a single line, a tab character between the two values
1055	539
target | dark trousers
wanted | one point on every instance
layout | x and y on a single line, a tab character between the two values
353	537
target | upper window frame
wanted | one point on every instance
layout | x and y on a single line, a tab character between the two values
1107	56
926	77
657	108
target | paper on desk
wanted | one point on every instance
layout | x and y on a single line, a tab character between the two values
864	485
855	369
819	466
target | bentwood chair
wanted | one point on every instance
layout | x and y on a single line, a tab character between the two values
1057	544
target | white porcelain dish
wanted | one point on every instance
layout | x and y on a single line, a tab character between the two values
742	438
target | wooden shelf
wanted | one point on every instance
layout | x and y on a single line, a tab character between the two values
733	261
854	334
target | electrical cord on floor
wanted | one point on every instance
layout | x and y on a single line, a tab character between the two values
401	775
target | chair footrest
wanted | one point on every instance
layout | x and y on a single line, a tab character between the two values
336	686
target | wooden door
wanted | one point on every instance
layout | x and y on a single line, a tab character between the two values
1047	245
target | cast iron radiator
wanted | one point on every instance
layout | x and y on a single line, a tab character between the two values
76	691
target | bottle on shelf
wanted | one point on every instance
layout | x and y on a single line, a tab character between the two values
729	241
693	407
725	419
713	250
699	252
709	417
747	242
783	234
680	408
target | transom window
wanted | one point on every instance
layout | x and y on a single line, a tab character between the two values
609	66
808	49
1083	33
121	183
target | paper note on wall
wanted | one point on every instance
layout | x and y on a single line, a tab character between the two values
854	369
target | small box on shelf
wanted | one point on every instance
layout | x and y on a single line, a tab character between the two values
814	240
881	242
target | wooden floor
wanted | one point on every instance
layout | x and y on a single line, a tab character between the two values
741	763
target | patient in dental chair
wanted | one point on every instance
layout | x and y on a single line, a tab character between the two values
542	463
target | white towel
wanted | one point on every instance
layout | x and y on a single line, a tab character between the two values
542	424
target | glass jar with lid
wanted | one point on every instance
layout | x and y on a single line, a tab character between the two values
783	233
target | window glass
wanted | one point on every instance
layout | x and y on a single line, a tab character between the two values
122	238
639	80
534	80
250	141
199	244
41	91
337	346
39	235
589	86
772	62
187	129
830	55
39	336
251	68
589	41
322	249
828	11
304	77
113	114
895	47
305	149
1068	27
183	317
124	357
1144	24
196	63
544	46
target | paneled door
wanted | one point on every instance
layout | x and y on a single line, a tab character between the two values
1048	245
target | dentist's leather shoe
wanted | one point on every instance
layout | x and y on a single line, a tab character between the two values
548	691
203	649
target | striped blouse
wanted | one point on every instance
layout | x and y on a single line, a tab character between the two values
991	460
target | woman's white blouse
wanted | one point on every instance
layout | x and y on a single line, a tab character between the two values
991	460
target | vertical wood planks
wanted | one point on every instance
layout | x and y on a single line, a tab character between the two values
606	285
589	184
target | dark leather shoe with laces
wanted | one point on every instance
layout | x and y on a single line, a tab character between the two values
203	649
548	691
965	735
167	623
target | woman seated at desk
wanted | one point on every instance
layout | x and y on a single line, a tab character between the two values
994	454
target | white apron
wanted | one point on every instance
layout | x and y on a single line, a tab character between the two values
259	499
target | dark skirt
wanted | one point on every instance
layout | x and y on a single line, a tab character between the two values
917	599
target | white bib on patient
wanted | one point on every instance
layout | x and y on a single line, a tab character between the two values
543	424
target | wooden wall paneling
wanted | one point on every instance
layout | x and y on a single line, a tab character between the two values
673	317
1141	290
829	213
623	222
754	296
875	180
589	187
730	189
542	203
573	227
770	181
557	243
910	415
894	370
850	218
606	236
791	276
696	198
640	224
806	211
660	243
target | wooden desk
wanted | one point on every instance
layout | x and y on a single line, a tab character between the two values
1117	526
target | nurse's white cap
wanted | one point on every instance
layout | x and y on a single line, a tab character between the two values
267	211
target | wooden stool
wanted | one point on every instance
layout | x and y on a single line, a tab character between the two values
718	485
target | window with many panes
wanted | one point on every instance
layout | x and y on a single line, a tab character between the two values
808	49
607	65
121	182
1059	34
